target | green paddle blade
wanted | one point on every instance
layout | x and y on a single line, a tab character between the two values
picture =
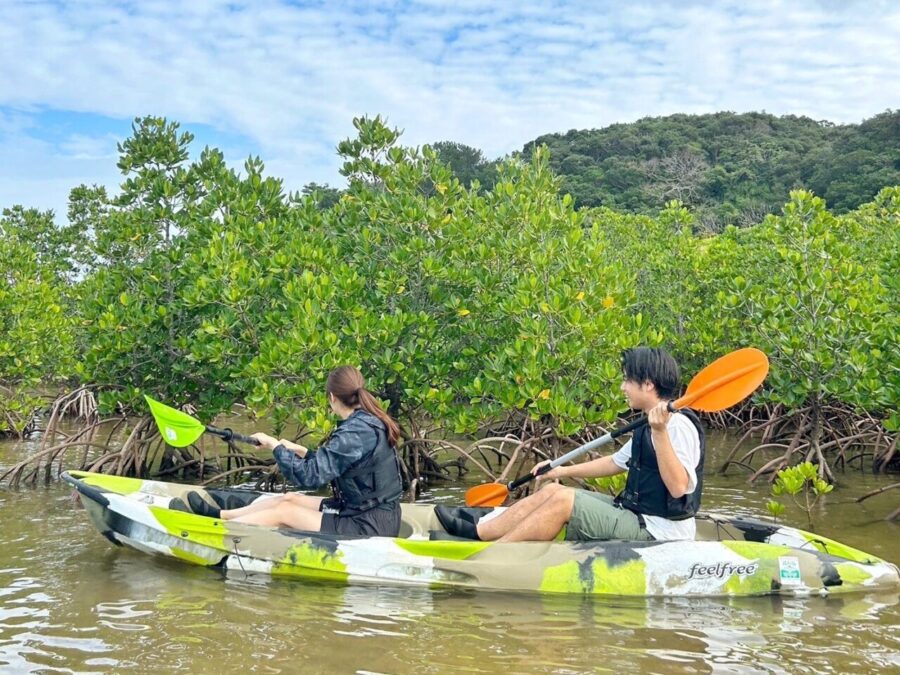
177	428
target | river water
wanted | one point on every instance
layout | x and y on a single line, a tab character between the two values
72	602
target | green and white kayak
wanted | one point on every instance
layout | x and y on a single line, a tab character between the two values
731	556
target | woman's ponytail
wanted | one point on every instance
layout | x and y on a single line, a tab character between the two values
371	405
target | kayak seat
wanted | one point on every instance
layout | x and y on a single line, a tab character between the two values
440	535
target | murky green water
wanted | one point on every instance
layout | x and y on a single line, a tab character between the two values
72	602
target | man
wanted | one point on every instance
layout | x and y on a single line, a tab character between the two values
662	493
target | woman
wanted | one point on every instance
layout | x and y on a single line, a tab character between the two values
358	459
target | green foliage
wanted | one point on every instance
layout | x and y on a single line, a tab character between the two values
664	260
611	484
728	168
468	164
458	305
186	245
35	332
877	247
802	483
565	310
775	508
498	301
324	196
859	162
59	252
817	306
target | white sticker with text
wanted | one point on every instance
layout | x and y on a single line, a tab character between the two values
789	571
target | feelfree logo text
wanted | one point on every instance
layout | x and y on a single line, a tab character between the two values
721	570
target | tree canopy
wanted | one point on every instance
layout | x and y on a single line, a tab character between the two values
727	168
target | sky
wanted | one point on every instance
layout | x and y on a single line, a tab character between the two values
284	79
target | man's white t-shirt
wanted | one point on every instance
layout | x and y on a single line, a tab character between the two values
686	444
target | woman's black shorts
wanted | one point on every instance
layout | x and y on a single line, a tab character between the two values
382	521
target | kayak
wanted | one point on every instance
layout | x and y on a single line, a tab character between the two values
732	556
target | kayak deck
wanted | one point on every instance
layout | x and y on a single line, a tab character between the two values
730	557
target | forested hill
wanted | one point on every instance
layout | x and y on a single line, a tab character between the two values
729	168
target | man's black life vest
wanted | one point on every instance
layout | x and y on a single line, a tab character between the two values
645	492
373	480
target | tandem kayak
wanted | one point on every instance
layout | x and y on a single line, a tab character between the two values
732	556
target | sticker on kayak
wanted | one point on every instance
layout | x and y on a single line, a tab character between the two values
170	434
789	571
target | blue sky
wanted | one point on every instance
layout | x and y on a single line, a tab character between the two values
283	80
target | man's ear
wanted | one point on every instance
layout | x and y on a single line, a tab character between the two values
648	386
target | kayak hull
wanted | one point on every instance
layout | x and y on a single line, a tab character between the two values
731	557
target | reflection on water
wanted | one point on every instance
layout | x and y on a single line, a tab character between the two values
71	602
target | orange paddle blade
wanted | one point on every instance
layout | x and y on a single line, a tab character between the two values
488	494
726	381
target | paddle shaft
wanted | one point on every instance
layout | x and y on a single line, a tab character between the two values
229	435
577	452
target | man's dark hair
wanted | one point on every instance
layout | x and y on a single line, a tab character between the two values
652	364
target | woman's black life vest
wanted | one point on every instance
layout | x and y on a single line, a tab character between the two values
373	480
645	492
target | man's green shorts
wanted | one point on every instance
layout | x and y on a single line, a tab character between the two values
595	516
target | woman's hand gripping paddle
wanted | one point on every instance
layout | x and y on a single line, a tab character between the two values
179	429
726	381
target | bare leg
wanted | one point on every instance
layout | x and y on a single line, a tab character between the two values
303	501
545	523
510	519
285	514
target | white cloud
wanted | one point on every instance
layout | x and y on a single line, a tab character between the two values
36	174
288	77
79	146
